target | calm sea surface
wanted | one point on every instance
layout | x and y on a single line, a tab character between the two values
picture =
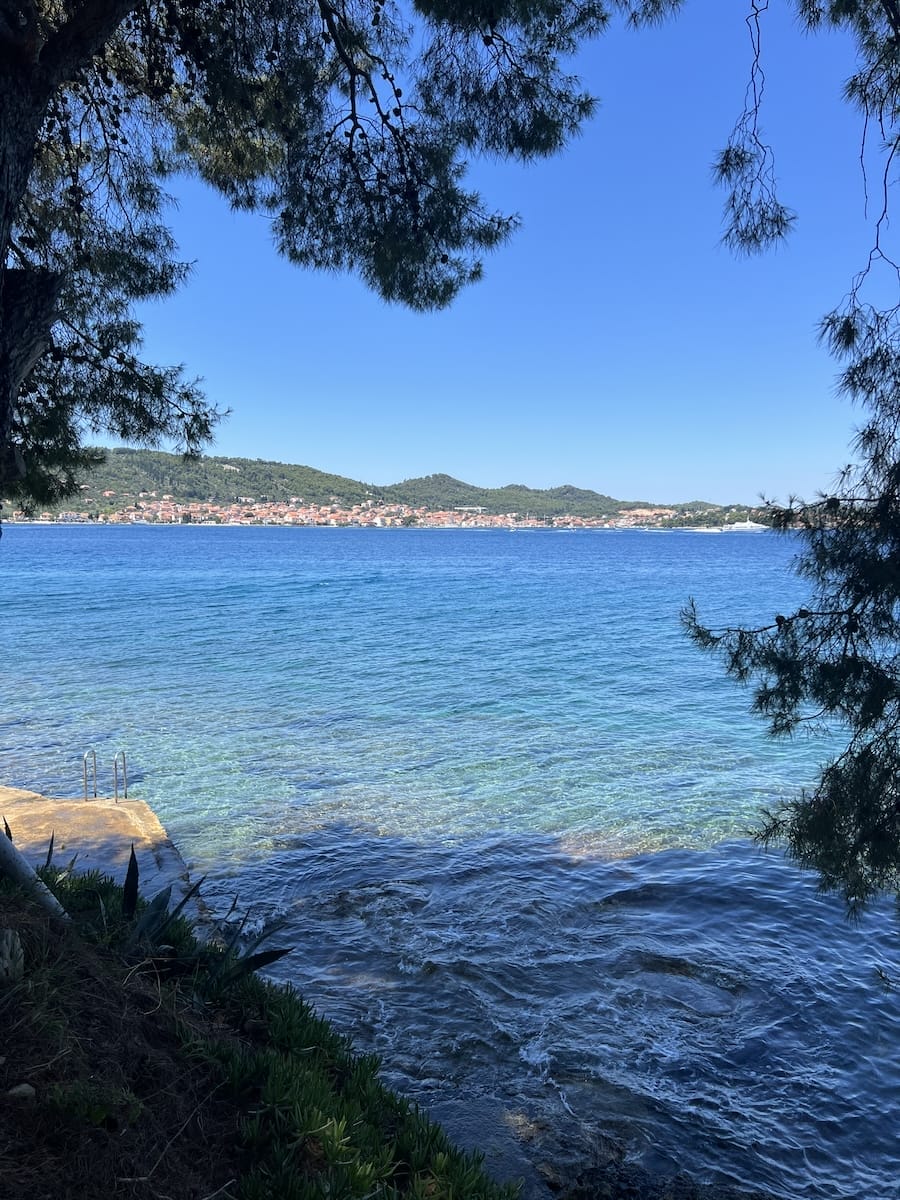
502	807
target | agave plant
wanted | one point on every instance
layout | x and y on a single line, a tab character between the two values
222	965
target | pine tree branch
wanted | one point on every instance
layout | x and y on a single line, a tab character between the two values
892	12
81	37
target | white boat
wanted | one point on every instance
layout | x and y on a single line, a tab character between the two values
745	527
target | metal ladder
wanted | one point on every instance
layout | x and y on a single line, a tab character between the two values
92	755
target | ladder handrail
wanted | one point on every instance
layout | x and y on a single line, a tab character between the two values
92	755
84	762
120	754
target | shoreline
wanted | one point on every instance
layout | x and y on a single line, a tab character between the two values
516	1145
347	526
100	833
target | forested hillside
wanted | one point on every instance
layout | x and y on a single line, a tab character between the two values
127	473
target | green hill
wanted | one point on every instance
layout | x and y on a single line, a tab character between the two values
127	473
443	491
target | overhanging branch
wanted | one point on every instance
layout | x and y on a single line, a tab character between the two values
892	12
85	33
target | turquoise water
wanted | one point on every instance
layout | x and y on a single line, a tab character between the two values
501	806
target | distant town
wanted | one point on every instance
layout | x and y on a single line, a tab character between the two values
148	508
131	486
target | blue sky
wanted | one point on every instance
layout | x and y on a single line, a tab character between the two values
614	343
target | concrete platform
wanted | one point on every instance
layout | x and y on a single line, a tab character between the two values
101	832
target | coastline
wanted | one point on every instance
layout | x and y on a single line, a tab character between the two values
515	1145
100	832
423	527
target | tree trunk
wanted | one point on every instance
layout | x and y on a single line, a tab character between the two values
27	311
16	868
28	296
31	69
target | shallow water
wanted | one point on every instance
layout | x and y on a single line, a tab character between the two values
497	799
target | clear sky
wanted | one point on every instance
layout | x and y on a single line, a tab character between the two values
613	344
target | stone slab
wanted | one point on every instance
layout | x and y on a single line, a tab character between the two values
100	832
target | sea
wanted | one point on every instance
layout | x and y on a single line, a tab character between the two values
500	808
